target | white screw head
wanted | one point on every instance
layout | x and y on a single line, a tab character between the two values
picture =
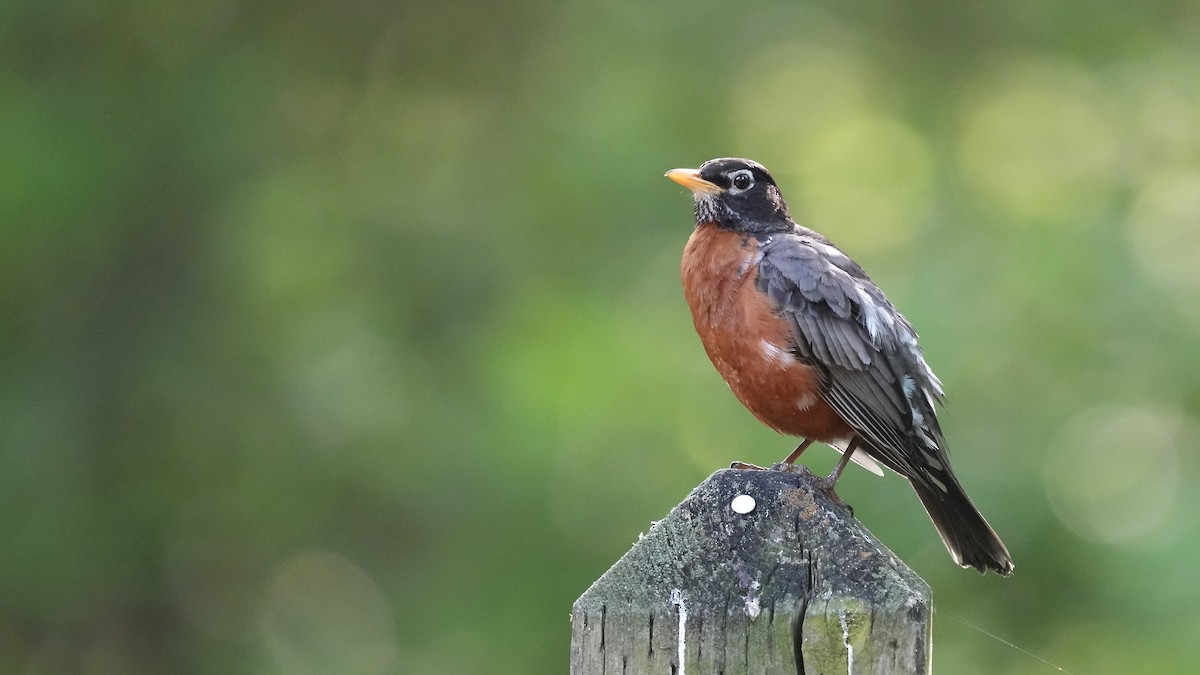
742	504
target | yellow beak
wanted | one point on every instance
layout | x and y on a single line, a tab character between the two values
690	179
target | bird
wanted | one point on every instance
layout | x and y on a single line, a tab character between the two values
813	348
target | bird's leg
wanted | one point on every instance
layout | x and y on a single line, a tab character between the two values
791	459
832	478
829	481
788	465
785	465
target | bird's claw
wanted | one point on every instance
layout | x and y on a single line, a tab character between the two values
823	484
743	466
826	485
788	467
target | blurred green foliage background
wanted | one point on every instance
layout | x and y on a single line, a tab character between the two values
348	337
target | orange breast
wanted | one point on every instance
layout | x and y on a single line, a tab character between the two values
747	340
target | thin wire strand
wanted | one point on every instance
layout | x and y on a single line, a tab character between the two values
997	638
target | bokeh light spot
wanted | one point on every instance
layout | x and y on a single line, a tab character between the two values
1164	230
1038	144
797	91
868	178
1163	92
846	167
347	384
1113	474
325	615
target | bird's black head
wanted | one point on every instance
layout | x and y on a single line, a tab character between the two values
735	194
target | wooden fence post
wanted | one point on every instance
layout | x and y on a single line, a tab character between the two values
786	583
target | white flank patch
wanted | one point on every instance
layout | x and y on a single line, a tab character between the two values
805	402
775	354
749	262
677	600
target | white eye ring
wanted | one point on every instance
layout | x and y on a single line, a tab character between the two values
741	180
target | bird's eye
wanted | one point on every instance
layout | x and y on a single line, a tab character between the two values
742	180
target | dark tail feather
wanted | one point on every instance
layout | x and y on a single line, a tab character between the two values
968	537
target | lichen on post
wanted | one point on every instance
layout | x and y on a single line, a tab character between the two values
782	580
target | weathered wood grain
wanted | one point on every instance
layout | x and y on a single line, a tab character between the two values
794	586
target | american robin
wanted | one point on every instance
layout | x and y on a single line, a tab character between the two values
813	348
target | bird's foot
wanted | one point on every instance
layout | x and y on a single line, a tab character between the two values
788	467
826	485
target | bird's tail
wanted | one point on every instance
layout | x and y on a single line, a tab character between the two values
968	537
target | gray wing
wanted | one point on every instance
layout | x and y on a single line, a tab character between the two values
876	377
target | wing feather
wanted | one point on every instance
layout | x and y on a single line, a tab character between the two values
876	375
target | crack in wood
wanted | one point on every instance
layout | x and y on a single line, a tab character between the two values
806	571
